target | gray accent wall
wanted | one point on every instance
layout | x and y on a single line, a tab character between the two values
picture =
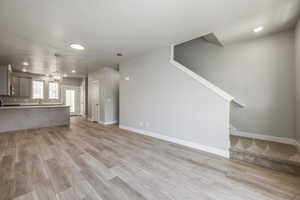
259	73
156	96
297	64
108	95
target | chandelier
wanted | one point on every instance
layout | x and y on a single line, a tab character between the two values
57	76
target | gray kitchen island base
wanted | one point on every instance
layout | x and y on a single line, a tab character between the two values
32	117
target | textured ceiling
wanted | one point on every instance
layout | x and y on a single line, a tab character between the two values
34	30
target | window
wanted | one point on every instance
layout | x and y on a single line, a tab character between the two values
53	90
37	89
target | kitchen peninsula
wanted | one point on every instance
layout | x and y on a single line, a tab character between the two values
13	118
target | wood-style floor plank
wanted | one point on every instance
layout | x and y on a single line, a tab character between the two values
88	161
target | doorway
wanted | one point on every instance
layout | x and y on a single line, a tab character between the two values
71	97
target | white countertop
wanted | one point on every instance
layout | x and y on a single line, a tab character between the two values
32	107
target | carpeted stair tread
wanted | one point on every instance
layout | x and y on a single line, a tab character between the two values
264	153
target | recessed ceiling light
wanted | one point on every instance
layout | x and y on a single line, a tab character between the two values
73	71
77	46
65	75
258	29
24	70
25	63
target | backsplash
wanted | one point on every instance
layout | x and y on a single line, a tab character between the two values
27	100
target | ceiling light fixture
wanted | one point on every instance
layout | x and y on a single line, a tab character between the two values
73	71
258	29
24	70
77	46
25	63
65	75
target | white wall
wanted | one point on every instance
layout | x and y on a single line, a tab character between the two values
260	73
109	93
297	65
162	99
76	82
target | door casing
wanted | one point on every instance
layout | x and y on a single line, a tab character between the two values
77	97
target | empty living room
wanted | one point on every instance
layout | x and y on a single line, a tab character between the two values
150	100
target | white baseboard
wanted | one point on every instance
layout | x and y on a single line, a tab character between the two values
111	122
104	123
193	145
264	137
298	145
108	123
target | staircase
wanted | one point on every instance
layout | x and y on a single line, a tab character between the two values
277	156
273	155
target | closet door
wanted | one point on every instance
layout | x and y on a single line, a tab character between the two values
95	106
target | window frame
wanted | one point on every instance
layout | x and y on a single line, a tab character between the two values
58	90
43	93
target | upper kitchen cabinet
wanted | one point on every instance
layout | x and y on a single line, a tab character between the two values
25	87
5	80
21	86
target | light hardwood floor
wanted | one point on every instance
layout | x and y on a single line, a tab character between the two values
91	162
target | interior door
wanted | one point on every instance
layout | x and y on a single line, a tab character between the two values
82	98
71	97
95	107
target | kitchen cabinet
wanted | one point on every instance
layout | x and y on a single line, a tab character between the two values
4	80
14	86
21	86
25	87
